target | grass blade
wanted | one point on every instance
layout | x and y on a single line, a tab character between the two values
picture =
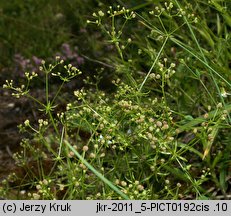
98	174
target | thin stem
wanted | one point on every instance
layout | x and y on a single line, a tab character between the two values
206	89
154	63
162	87
98	174
36	100
57	93
201	119
189	177
53	123
162	24
203	56
47	88
202	61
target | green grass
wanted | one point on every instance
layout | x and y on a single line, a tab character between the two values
160	129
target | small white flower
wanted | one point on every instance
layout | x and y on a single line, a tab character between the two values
101	13
129	131
27	122
224	93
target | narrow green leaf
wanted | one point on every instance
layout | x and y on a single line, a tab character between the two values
98	174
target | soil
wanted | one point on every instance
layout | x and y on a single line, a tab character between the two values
13	112
11	115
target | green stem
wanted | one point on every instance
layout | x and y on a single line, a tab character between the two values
53	123
57	93
98	174
154	63
34	99
198	58
204	58
201	119
47	88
